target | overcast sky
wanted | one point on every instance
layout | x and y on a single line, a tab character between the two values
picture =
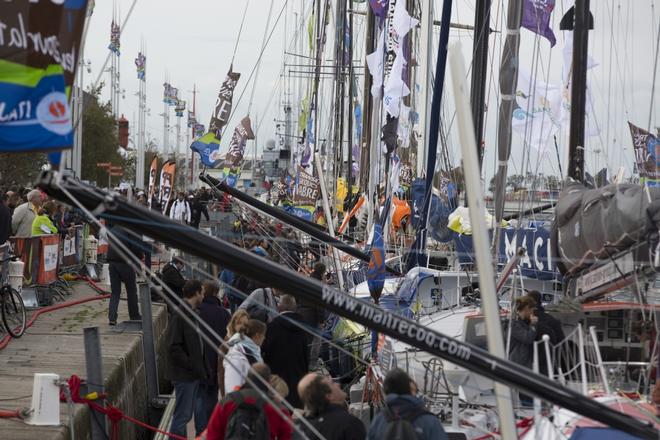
191	44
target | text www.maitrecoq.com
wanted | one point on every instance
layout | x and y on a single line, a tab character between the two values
395	323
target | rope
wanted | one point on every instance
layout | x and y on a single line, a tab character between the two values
263	47
240	30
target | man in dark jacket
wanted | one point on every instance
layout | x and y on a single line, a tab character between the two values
121	271
325	405
197	208
285	348
314	318
172	277
400	403
217	317
5	221
185	361
546	325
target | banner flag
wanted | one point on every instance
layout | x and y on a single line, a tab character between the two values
222	108
395	87
208	147
379	7
166	183
405	126
179	108
38	59
114	38
242	133
307	189
153	171
191	119
647	155
170	94
376	65
141	65
536	18
199	130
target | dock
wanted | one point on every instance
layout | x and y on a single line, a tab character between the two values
55	344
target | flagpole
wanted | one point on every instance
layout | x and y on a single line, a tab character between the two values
192	152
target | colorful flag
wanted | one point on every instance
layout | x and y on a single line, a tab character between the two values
191	119
179	108
379	7
166	183
141	65
376	270
647	155
536	18
199	130
170	94
153	171
307	189
114	38
208	147
222	108
37	66
242	133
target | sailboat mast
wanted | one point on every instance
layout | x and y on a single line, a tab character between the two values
367	105
479	71
349	177
578	90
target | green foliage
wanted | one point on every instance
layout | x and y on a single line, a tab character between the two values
20	169
100	141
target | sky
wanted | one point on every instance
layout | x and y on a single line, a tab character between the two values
191	44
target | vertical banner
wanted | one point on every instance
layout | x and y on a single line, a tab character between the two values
234	158
306	193
179	108
39	47
222	108
170	94
647	155
141	66
166	183
115	43
153	171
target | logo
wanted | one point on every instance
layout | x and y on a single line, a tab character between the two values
53	113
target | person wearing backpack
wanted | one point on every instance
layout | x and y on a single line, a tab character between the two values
244	351
245	415
261	304
325	410
404	415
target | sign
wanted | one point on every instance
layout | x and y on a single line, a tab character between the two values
307	189
39	49
647	155
103	164
242	133
166	183
153	170
222	108
605	274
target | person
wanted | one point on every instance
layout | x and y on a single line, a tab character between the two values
281	391
21	221
212	312
180	209
43	223
5	221
197	208
121	271
185	361
244	350
546	325
523	335
261	304
285	348
325	409
237	324
314	317
237	406
402	404
12	202
172	277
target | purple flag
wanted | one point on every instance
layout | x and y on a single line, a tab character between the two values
536	18
379	7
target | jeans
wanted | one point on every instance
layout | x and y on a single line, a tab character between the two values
186	393
123	273
205	402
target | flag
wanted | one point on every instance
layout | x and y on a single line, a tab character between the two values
405	126
170	94
222	108
389	134
191	119
114	38
376	270
395	174
538	112
198	130
376	63
310	31
242	133
208	147
379	7
179	108
153	170
166	183
647	155
307	189
536	18
141	65
395	87
38	62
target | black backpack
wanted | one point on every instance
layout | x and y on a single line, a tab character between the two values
401	427
248	421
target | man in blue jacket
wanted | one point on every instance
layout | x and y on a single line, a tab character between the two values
401	404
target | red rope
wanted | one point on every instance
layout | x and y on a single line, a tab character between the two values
113	413
4	414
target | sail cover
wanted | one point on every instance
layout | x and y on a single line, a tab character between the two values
592	225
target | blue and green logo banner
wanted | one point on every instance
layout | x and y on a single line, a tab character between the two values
39	47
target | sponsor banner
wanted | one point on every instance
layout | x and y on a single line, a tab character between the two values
170	94
141	66
39	47
307	189
179	108
153	171
536	18
166	183
71	248
222	108
115	43
647	155
40	255
242	133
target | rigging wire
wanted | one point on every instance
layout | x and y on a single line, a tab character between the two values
263	47
240	30
655	71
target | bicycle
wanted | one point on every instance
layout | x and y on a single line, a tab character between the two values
12	308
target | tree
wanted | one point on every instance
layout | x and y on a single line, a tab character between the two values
20	169
100	141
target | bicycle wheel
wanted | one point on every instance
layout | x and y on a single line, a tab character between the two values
13	312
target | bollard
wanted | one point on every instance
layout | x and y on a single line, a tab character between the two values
149	349
94	368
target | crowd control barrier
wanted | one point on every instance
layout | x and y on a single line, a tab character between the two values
41	257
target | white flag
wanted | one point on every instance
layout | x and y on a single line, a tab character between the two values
401	24
375	62
395	88
404	127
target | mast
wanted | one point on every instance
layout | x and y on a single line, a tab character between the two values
192	129
479	72
367	105
349	178
579	90
426	55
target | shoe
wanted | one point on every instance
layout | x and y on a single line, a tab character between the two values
139	318
113	323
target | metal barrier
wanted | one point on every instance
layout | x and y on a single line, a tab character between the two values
40	255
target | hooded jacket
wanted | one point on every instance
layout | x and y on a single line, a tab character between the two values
212	312
242	353
285	351
180	211
185	353
427	426
521	348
